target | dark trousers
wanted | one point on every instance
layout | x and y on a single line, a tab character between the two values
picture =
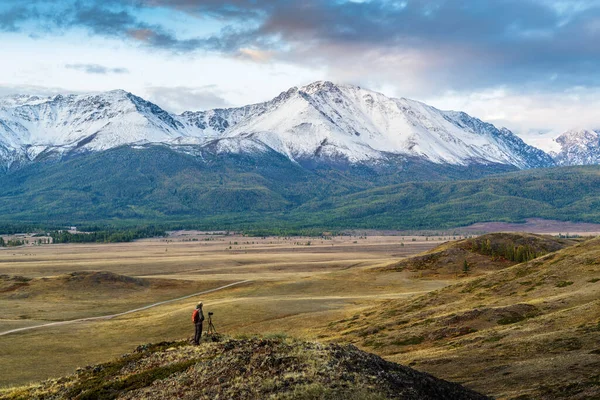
198	333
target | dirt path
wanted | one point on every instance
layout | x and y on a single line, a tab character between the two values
103	317
382	296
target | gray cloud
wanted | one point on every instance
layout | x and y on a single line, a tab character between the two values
174	99
421	45
33	90
231	9
121	22
97	69
181	98
13	16
445	44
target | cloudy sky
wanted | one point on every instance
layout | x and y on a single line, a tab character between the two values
530	65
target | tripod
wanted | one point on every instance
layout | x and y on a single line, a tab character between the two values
211	327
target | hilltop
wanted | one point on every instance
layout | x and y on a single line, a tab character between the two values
81	285
484	253
527	331
74	282
255	368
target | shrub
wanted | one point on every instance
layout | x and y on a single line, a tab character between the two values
562	284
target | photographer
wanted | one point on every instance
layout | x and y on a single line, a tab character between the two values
197	319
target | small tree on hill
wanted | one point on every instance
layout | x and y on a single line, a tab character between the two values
466	267
2	243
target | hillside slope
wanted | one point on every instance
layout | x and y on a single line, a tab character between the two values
530	331
247	369
482	254
158	184
88	294
567	194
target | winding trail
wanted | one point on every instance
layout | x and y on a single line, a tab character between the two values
104	317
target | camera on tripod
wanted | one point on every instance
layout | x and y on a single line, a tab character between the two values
211	327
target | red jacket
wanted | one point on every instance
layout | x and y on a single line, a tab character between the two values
197	316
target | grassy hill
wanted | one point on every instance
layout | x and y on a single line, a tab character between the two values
87	293
528	331
246	369
481	254
127	186
568	194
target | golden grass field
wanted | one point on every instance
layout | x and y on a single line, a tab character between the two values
527	331
294	289
509	330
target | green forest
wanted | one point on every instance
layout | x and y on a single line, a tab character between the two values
106	236
130	188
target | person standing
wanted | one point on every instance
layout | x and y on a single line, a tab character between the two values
197	319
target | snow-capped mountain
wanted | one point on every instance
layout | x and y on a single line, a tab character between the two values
94	122
321	121
578	147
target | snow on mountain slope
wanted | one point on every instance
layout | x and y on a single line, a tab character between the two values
87	122
578	147
212	123
324	119
320	121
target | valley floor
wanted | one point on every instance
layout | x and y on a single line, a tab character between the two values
468	311
297	285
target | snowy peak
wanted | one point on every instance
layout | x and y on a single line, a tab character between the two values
87	122
361	125
578	147
578	137
321	121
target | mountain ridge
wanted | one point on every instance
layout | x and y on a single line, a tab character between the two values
321	122
578	147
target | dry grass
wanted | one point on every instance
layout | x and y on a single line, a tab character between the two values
514	333
251	368
524	331
447	260
85	294
296	288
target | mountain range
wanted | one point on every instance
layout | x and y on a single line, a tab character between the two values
322	156
318	123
